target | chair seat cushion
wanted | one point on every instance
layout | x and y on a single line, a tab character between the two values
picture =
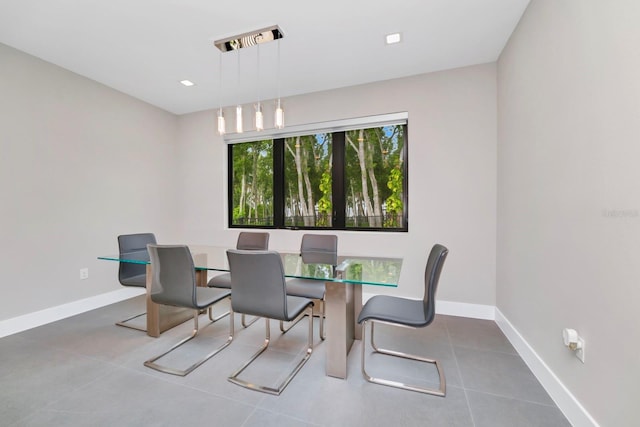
314	289
139	280
295	306
208	296
398	310
220	281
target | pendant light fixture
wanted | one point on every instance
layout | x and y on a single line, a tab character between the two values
222	126
236	43
279	118
238	107
259	116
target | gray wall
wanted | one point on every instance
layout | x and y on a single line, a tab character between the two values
568	195
79	164
452	176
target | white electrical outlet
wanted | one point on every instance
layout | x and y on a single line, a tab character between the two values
574	341
84	273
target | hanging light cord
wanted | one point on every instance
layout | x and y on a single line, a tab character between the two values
220	83
238	82
278	73
258	67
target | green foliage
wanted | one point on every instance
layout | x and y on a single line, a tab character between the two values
252	183
324	204
394	202
325	207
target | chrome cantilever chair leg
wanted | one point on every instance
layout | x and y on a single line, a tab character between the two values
274	390
242	318
321	316
243	321
126	325
168	370
441	391
222	316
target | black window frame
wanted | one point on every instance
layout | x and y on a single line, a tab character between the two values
338	196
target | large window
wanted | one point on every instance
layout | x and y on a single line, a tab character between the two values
348	179
252	190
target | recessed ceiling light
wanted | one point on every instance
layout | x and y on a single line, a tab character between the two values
187	82
394	38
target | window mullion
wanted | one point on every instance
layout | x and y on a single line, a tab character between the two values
337	180
278	183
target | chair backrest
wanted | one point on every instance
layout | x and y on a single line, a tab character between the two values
173	279
319	243
135	245
431	277
250	241
319	249
257	283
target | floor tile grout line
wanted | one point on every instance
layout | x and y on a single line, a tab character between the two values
244	423
550	405
487	350
464	389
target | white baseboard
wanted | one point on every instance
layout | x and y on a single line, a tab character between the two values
48	315
462	309
566	402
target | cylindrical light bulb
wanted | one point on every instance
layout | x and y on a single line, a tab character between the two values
222	126
239	119
279	120
259	117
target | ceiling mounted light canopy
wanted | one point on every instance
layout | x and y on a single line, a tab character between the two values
249	39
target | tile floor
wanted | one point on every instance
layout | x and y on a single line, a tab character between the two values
85	371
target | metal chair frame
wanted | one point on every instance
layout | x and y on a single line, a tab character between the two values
168	370
138	328
259	289
410	320
174	284
442	389
279	388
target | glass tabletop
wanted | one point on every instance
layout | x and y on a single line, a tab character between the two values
378	271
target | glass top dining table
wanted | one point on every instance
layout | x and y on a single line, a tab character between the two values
343	275
363	270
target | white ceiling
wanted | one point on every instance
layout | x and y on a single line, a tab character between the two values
145	47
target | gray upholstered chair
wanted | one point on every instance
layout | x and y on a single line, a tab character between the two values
248	241
314	249
258	289
174	283
409	313
134	246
